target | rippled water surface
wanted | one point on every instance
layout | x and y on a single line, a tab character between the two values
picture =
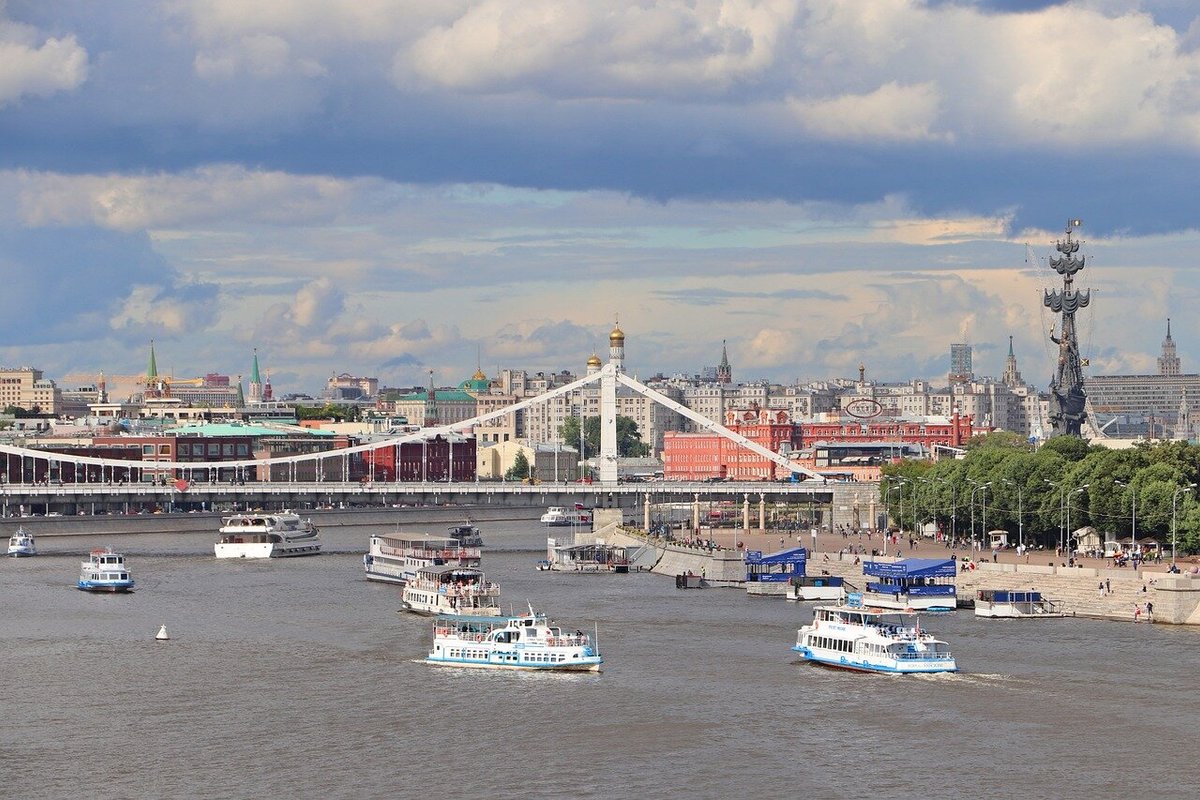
297	678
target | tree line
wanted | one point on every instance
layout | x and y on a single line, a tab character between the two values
1048	492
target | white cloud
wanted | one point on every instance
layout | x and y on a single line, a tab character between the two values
583	49
36	67
889	113
134	202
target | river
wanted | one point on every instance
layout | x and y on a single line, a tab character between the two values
298	678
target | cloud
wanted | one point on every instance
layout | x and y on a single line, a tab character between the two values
154	310
890	113
36	66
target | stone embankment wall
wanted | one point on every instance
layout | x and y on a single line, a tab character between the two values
1176	598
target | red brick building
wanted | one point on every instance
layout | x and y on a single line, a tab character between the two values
699	456
951	432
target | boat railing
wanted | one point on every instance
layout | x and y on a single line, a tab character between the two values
923	655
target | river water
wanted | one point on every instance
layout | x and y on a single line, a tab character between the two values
297	678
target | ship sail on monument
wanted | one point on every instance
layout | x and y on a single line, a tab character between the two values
1067	398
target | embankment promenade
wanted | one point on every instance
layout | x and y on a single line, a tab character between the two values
1175	597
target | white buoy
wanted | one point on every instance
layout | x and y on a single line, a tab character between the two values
162	634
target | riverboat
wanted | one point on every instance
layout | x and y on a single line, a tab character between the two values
594	558
21	544
528	642
105	571
872	640
562	517
1010	604
267	535
815	587
467	535
455	591
396	558
916	584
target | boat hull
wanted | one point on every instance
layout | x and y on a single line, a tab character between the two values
807	593
886	666
265	550
120	587
582	667
21	553
910	603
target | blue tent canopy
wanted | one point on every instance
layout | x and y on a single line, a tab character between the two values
913	568
793	555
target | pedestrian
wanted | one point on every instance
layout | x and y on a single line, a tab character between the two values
1102	588
1150	611
1107	586
1137	612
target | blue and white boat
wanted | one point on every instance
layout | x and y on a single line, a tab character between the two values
105	571
912	584
527	642
872	640
1015	604
21	544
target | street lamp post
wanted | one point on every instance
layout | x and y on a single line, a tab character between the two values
1067	547
1062	487
1020	515
953	510
1189	487
1132	515
973	491
887	502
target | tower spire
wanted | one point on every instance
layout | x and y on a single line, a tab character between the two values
152	368
724	370
1168	362
1067	397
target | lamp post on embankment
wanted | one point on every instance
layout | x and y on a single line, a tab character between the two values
1066	549
1020	515
1178	491
1132	515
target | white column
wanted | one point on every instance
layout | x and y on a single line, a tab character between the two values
762	512
608	424
646	514
746	513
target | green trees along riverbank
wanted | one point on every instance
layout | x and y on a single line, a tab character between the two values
1053	490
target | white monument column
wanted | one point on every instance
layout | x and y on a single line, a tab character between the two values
646	514
762	512
608	406
746	513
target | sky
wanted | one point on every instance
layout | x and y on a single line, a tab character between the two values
388	188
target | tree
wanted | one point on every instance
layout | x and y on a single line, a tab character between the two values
520	470
332	411
629	438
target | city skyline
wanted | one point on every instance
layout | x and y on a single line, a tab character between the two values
388	190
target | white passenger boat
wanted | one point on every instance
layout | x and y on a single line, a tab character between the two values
21	544
872	640
105	571
561	516
396	558
453	591
267	535
1010	604
526	642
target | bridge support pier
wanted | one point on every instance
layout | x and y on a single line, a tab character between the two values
762	512
746	513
